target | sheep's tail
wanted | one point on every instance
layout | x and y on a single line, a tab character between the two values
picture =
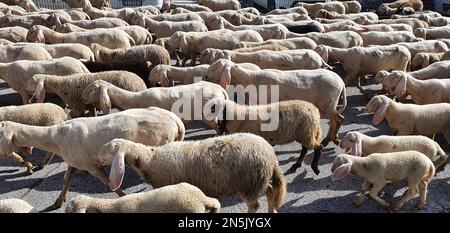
430	173
279	189
212	204
132	42
343	96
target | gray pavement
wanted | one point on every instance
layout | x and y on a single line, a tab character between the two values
307	192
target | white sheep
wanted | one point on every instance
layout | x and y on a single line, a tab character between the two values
88	24
378	168
219	5
439	70
337	39
151	126
165	75
433	33
14	205
177	198
425	120
241	164
11	53
425	46
422	60
153	53
363	145
14	34
17	73
291	43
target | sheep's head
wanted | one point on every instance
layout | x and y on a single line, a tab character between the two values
98	51
383	9
36	34
96	94
352	7
178	41
165	7
219	72
236	19
213	114
216	22
425	18
322	13
80	204
395	83
28	5
361	20
35	87
137	18
158	75
207	55
420	32
379	77
342	166
323	51
437	22
420	61
352	141
378	104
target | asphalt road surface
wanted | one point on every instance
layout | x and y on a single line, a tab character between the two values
307	192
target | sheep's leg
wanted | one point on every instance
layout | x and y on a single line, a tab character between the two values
193	59
405	198
25	97
62	196
330	134
92	111
364	92
299	161
101	175
361	197
252	203
315	162
423	188
270	201
338	125
183	63
48	157
23	162
374	194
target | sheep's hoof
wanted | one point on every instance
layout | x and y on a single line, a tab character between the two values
419	206
316	170
57	204
359	200
336	141
29	172
292	169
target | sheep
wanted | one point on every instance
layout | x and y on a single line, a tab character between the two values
358	61
88	24
291	43
285	17
273	47
139	34
250	10
95	13
153	53
425	120
15	205
367	28
70	88
387	38
177	17
417	5
167	6
267	32
304	26
95	3
321	87
312	8
151	126
14	34
377	168
110	38
338	39
193	43
239	163
166	74
140	68
25	21
163	97
424	46
17	73
5	42
414	23
438	21
11	53
73	50
433	33
178	198
399	27
219	5
78	15
267	59
439	70
363	145
428	91
322	13
33	114
352	7
167	28
422	60
298	9
297	121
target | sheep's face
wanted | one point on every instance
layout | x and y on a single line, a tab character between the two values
375	103
353	6
35	34
342	166
215	70
91	94
236	19
178	41
322	13
158	75
75	205
420	32
391	81
215	23
379	77
347	141
322	50
340	160
383	9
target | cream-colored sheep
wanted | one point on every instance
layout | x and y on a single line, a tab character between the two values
11	53
266	59
352	7
194	95
291	43
70	88
387	38
25	21
166	74
17	73
413	22
425	46
193	43
272	47
367	28
88	24
359	61
151	126
33	114
439	70
110	38
15	205
153	53
167	6
297	9
321	87
378	168
337	26
363	145
241	164
219	5
322	13
422	60
433	33
95	13
425	120
14	34
417	5
177	17
167	28
337	39
295	120
177	198
428	91
312	8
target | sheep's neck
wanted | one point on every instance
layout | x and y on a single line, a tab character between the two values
392	115
55	84
151	24
122	98
178	74
42	137
337	54
53	37
240	76
102	205
414	87
358	166
228	25
144	157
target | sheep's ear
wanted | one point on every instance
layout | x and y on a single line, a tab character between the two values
225	79
40	36
40	92
400	89
357	147
105	101
165	82
341	171
142	21
379	114
58	24
117	171
184	44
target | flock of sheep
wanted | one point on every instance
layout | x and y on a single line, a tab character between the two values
96	59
